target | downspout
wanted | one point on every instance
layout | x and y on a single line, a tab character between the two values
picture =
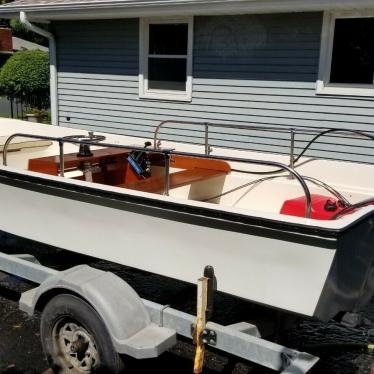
52	63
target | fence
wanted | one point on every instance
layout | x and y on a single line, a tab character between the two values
11	108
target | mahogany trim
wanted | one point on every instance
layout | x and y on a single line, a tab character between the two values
115	169
51	164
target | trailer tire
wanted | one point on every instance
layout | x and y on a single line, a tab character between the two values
75	339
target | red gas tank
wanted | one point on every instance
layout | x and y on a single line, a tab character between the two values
323	207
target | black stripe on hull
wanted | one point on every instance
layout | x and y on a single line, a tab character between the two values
201	216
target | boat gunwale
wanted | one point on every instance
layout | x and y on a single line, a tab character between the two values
79	140
49	184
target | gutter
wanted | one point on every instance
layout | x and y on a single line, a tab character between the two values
107	9
52	63
222	4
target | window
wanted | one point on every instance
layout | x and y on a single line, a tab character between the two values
347	55
166	59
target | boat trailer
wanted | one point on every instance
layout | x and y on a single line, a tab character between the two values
144	329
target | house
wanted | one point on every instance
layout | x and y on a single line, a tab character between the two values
10	44
6	44
123	66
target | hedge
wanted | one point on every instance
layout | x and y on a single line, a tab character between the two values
26	76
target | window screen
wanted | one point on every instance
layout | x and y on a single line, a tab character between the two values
168	39
167	56
353	51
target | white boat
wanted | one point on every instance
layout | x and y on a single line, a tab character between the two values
299	239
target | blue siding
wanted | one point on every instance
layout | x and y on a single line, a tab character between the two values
248	69
261	47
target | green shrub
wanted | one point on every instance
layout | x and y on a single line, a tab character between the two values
26	76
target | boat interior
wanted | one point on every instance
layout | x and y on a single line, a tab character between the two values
257	184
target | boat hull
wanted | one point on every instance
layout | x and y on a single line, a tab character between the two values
283	266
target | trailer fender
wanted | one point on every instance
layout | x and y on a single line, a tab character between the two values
116	302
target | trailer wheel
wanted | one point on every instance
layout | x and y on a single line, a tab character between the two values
75	339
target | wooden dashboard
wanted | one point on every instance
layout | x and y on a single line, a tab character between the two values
110	166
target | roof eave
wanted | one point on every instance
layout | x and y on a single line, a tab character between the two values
168	8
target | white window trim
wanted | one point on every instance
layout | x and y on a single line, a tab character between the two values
170	95
324	87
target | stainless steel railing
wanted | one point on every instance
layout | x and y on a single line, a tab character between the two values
167	155
349	133
208	125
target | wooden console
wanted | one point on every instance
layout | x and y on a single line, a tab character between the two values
110	167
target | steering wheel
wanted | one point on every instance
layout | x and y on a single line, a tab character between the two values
86	138
84	149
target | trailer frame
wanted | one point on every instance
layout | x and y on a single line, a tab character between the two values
147	328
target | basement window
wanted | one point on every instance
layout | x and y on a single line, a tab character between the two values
347	55
166	59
